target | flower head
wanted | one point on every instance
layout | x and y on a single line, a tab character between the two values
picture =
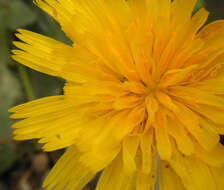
143	78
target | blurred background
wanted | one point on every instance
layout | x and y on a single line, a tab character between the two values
23	165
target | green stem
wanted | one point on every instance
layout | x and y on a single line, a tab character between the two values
26	82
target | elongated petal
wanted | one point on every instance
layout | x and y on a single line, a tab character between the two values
162	137
152	108
130	146
69	172
213	114
41	53
190	120
146	181
52	120
181	136
114	177
147	154
200	96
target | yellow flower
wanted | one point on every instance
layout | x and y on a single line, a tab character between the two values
143	78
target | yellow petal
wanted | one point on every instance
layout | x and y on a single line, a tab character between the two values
51	119
162	137
181	22
186	6
180	134
130	146
135	87
128	101
177	76
166	101
152	107
69	172
147	181
162	14
62	12
214	157
214	114
168	178
206	138
198	20
213	85
212	33
212	127
138	7
41	53
32	108
218	175
201	97
114	177
193	172
99	138
146	148
96	160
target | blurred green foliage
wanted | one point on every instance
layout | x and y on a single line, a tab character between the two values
19	84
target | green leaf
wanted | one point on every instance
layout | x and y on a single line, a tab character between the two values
19	15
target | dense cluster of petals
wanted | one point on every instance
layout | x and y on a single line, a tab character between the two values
144	82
